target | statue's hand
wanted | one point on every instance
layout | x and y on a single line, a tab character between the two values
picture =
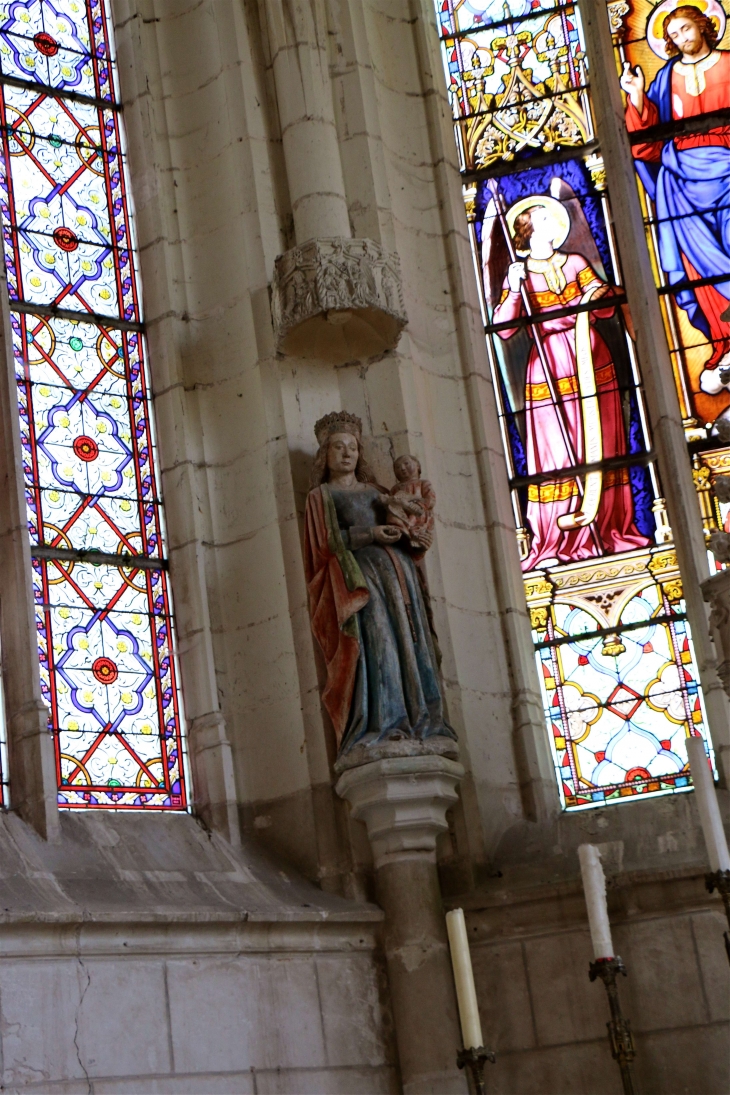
386	534
424	538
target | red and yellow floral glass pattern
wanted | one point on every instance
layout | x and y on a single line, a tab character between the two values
104	616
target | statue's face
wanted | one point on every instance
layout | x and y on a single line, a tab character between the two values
405	468
686	36
342	453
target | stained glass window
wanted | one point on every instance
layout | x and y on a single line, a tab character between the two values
674	66
104	617
612	642
516	78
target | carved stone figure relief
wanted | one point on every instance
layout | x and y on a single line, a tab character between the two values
338	281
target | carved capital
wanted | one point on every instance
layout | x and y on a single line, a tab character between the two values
337	299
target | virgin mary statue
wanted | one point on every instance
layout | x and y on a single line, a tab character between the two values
366	602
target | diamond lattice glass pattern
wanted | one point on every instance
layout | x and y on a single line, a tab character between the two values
89	460
62	45
620	705
66	223
613	646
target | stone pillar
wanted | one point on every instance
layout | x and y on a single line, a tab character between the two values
653	351
333	298
298	44
179	51
32	762
403	801
716	591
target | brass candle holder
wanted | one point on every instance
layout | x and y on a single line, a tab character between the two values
475	1059
720	881
619	1029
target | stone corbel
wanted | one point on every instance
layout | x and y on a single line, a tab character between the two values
337	299
403	802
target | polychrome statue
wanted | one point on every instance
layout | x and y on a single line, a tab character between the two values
366	601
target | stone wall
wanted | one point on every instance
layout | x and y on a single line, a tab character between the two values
195	1011
208	150
547	1021
143	955
531	948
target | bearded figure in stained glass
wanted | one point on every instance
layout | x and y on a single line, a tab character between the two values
688	178
573	411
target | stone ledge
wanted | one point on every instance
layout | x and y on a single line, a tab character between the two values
114	939
122	869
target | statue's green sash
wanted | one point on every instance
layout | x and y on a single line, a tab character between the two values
351	572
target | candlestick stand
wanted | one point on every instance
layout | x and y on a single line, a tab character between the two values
475	1059
619	1031
720	881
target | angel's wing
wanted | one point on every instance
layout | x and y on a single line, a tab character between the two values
580	238
495	257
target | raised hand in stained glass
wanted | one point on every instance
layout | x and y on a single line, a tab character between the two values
687	178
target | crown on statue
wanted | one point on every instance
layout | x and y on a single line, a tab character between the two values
337	422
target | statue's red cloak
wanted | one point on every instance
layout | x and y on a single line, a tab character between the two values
337	591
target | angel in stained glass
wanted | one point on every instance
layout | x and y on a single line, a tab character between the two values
688	177
573	412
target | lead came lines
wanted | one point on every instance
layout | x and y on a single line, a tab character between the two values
104	616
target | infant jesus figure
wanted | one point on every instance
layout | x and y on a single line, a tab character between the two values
410	503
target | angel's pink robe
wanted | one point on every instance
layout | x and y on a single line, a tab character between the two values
614	529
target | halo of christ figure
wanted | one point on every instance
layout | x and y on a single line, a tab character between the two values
688	178
572	404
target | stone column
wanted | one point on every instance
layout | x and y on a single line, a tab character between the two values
34	790
156	55
716	591
403	801
333	298
298	43
657	374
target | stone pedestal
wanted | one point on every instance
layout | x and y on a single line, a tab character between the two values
337	299
403	801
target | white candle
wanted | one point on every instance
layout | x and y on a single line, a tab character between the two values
471	1029
708	806
594	887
